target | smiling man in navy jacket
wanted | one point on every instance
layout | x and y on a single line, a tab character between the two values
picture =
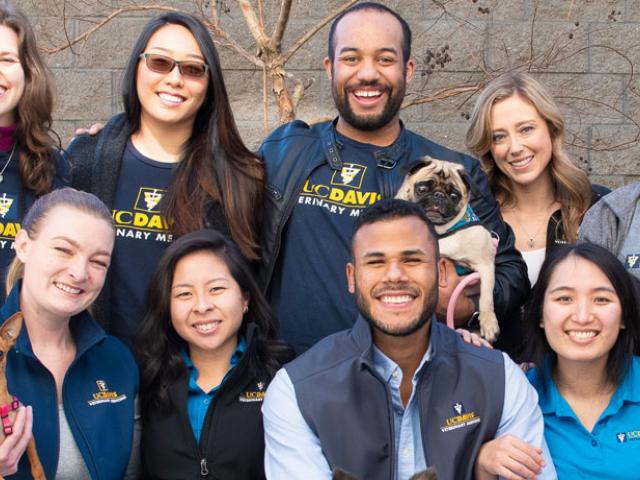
398	392
320	178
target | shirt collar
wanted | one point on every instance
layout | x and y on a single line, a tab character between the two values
193	371
385	366
627	391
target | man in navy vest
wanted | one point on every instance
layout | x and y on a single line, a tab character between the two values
399	392
320	177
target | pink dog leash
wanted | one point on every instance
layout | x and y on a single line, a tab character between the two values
7	428
470	279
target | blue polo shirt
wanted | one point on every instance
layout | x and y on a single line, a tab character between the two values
612	449
198	400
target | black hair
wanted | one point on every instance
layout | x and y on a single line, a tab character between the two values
538	349
377	7
393	209
158	346
215	164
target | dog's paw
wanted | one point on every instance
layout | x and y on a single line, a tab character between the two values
489	328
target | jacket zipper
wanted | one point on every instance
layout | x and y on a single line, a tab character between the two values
204	471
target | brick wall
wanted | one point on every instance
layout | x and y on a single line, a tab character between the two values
584	50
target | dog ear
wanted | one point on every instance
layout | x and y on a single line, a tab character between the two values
418	164
339	474
11	327
429	474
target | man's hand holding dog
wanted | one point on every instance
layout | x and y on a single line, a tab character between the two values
14	445
464	306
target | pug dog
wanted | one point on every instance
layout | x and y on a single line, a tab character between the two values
429	474
443	190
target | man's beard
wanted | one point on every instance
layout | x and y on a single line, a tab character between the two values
428	308
369	123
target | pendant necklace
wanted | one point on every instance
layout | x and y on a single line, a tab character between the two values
531	239
7	164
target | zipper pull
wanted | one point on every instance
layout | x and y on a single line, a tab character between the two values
204	471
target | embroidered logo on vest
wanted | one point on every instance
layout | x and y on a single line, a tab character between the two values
460	420
624	437
253	395
631	261
104	395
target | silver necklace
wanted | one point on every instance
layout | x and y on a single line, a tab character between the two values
7	164
531	239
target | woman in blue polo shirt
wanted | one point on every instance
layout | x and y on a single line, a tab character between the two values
208	351
582	321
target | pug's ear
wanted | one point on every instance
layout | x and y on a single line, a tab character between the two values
418	164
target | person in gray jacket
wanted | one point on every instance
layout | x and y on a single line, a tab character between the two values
399	392
614	223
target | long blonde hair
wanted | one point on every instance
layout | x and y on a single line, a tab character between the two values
572	188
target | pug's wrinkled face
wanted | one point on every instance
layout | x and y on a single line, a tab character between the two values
441	188
440	199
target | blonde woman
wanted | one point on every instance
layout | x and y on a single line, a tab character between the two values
517	132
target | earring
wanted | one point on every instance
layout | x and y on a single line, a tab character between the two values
245	309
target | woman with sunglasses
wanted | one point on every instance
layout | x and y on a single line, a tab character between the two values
172	163
30	166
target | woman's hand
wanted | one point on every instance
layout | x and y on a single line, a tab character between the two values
14	445
473	338
510	458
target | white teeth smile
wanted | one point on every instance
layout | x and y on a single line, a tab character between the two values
582	334
171	98
521	163
367	93
67	288
396	299
206	327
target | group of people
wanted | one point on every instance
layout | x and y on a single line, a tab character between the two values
167	276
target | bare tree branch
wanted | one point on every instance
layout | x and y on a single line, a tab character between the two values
281	24
305	38
253	23
447	92
103	22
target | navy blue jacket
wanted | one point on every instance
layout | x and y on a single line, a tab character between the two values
292	152
98	395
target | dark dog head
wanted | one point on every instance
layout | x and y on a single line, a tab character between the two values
429	474
441	188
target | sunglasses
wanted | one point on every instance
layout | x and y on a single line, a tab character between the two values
162	64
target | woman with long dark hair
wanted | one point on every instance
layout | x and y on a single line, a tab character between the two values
583	327
30	165
208	351
174	162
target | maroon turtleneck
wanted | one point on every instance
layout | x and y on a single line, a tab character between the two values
7	137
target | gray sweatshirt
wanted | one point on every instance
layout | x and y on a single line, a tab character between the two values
614	223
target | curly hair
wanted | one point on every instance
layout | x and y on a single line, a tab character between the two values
572	188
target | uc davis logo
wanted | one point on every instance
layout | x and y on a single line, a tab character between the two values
149	199
104	395
351	175
5	205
